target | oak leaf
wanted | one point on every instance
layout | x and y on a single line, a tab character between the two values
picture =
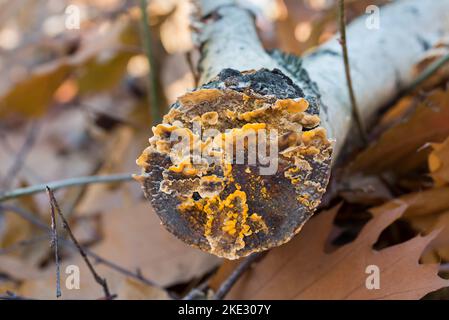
400	148
302	269
429	210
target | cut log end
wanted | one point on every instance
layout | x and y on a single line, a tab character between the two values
239	165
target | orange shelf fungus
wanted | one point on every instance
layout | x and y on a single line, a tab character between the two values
202	183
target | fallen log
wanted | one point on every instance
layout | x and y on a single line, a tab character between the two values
208	172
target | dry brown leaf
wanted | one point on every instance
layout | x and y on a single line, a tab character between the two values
428	202
438	249
14	229
439	162
400	147
31	95
302	270
18	269
131	289
395	114
429	210
99	63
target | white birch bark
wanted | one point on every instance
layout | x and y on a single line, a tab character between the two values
381	59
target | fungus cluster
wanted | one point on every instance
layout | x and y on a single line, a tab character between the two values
203	168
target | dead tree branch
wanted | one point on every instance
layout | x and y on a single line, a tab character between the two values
55	185
98	259
101	281
152	79
237	77
54	241
355	107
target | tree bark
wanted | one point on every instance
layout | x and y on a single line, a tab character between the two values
381	60
231	209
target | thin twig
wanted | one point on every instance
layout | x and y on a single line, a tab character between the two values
227	285
54	243
196	292
98	259
116	267
354	105
101	281
65	184
152	79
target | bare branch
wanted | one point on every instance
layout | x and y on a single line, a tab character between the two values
98	259
101	281
355	108
152	80
54	242
196	292
65	184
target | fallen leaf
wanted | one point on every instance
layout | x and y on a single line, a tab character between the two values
438	248
98	64
427	202
439	162
302	270
18	269
35	92
400	147
131	289
429	210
